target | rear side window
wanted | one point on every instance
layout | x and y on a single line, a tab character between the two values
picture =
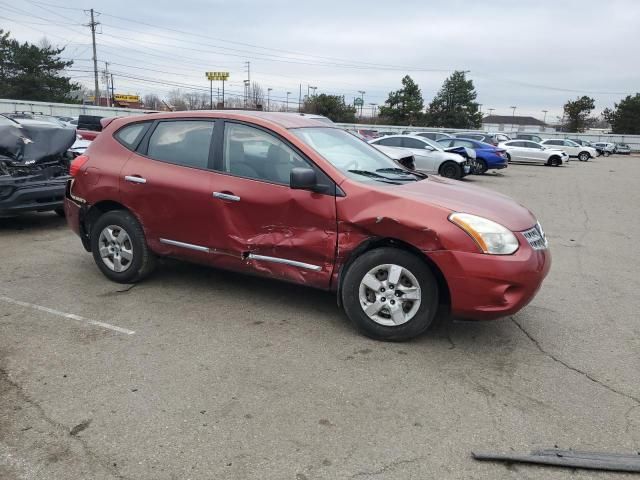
463	143
130	135
445	142
184	142
430	135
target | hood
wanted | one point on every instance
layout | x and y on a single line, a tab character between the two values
29	141
442	156
460	197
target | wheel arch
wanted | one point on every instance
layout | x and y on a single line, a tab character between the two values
92	214
444	293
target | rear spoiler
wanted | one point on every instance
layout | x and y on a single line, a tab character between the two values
106	121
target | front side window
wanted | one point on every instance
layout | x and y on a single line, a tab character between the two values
183	142
253	153
415	143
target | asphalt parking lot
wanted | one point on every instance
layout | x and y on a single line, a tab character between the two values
217	375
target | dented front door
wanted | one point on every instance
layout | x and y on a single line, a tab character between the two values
275	231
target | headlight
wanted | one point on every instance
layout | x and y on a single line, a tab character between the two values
490	236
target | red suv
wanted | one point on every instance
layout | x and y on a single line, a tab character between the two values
292	198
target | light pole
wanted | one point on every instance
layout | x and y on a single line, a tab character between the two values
361	92
373	111
314	90
544	120
513	116
288	93
268	99
491	111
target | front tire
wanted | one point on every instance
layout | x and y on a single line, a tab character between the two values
390	294
451	170
119	247
554	161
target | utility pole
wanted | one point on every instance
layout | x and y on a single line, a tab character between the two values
268	99
92	25
113	95
288	93
106	80
247	85
300	99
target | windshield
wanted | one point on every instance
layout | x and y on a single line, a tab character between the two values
354	157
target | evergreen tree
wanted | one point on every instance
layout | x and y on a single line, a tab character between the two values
331	106
454	106
577	113
31	72
625	116
404	106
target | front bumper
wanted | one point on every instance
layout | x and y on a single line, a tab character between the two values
40	195
485	287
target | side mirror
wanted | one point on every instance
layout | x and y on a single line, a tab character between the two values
303	179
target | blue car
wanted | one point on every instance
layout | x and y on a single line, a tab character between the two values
487	156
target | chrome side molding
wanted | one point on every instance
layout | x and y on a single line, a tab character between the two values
190	246
293	263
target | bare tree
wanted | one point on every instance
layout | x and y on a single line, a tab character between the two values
152	101
256	99
176	100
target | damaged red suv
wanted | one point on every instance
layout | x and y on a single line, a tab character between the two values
292	198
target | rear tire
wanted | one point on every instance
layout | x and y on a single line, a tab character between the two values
584	156
483	166
398	311
606	153
120	249
451	170
508	158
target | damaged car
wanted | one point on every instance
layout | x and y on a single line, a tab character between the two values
291	198
34	164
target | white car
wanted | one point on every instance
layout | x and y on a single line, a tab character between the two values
573	149
526	151
429	157
606	147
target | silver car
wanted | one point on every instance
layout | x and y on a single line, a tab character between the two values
429	157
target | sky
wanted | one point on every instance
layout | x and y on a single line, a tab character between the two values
534	55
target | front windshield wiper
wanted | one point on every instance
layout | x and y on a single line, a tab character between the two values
401	171
380	178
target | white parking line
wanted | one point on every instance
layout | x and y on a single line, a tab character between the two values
70	316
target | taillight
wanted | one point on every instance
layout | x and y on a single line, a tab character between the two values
77	164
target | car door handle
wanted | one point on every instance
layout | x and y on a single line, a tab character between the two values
135	179
226	196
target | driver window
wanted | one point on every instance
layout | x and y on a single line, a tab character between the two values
253	153
415	143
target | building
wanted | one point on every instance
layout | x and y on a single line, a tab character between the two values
509	123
